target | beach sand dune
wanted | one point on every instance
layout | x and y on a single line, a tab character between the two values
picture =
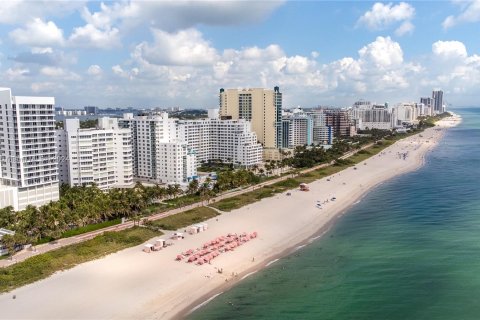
134	285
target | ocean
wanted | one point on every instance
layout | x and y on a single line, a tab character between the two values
409	250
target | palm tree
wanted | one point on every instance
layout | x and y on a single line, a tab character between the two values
193	187
7	217
170	191
177	190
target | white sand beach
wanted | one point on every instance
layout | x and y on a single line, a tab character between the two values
132	284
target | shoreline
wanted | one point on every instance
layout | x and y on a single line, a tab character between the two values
207	298
132	284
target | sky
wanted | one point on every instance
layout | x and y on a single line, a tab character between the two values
180	53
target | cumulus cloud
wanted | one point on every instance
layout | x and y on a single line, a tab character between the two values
186	47
89	36
38	33
383	53
449	49
470	12
382	16
459	72
405	28
94	70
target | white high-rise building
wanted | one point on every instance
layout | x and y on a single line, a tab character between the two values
371	116
159	155
403	113
101	155
297	129
321	133
226	140
28	159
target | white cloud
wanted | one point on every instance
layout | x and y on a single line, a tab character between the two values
94	70
383	53
17	73
38	33
176	15
470	13
449	49
118	70
89	36
381	16
297	65
405	28
182	48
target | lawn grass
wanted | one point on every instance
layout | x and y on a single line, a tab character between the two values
184	219
44	265
82	230
92	227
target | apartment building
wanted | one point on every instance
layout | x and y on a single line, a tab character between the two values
262	107
28	160
297	129
321	133
371	116
340	122
101	156
226	140
159	156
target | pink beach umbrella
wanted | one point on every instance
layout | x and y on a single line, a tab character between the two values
179	257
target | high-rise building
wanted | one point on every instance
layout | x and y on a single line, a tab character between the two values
322	134
428	105
101	155
437	96
28	159
262	107
91	109
231	141
159	156
403	113
297	129
371	116
340	122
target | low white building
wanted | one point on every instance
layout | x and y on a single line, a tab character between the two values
101	155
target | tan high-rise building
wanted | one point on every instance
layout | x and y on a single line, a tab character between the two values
262	107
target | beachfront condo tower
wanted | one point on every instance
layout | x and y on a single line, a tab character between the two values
28	159
262	107
437	96
101	155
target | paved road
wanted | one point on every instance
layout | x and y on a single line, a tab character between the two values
27	253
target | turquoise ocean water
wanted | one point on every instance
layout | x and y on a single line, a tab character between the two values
409	250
